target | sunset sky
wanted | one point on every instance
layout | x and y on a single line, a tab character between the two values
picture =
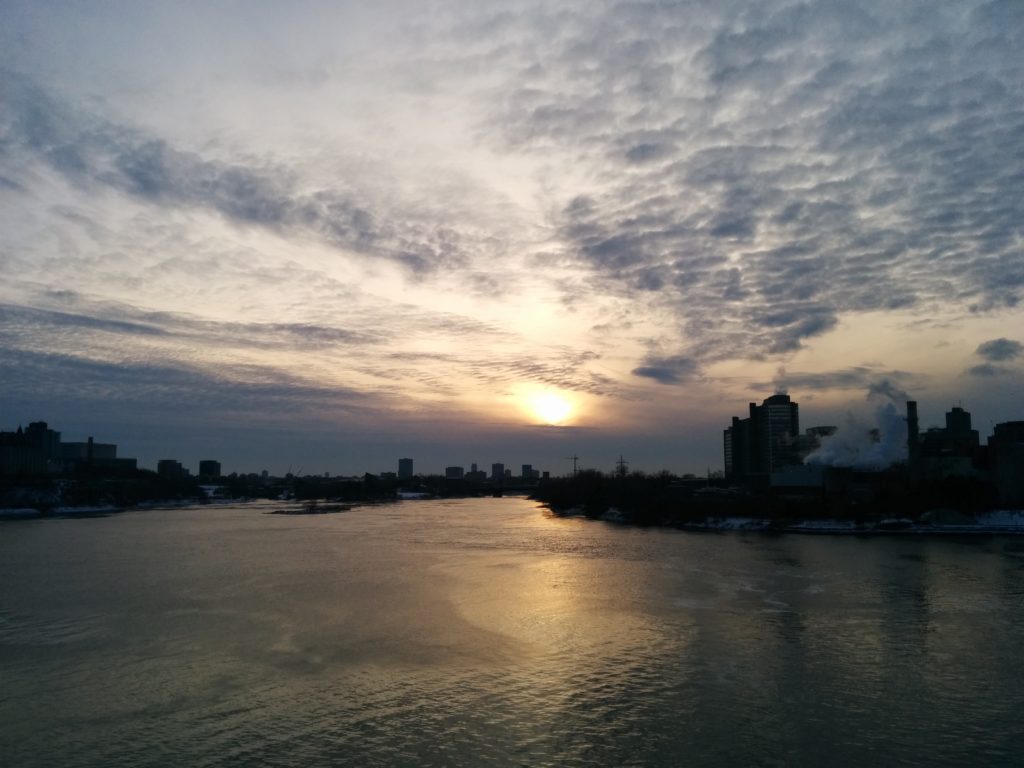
322	236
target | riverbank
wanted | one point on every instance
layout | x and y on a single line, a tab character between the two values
1000	522
103	510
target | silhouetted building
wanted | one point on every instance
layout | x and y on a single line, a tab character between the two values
38	450
938	452
913	439
170	469
404	469
1006	459
34	450
91	456
529	473
454	473
737	449
765	441
88	451
209	469
955	439
777	426
963	440
497	472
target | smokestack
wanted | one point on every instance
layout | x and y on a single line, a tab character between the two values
912	433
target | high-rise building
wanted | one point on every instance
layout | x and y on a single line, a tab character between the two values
209	469
39	450
1006	455
778	424
34	450
404	469
737	449
765	441
170	468
956	439
497	471
962	438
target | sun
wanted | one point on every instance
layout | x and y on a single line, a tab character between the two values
550	408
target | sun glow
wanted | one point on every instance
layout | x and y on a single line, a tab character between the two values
550	407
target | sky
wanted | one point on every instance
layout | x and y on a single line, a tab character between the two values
318	237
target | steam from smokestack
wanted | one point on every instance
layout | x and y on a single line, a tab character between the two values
886	391
861	445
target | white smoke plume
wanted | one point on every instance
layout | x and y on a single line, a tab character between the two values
886	391
858	445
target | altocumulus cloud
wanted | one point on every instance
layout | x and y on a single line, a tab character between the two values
759	171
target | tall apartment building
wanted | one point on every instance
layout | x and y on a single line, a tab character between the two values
765	441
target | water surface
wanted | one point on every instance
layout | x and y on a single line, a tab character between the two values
488	632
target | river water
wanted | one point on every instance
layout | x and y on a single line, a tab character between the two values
489	632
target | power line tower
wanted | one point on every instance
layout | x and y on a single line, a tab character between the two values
574	459
621	466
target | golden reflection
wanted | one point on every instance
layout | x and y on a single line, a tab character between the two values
564	605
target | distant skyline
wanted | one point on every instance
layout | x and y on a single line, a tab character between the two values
329	235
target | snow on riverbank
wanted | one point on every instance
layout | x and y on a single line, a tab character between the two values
1002	521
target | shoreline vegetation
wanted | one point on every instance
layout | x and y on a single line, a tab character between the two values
888	504
872	503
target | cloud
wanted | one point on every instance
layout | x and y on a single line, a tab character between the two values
561	367
12	317
170	387
862	377
34	327
668	370
801	161
987	370
95	154
703	183
998	350
886	390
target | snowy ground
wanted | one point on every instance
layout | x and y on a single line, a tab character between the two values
1002	521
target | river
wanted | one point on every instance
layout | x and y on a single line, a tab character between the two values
490	632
